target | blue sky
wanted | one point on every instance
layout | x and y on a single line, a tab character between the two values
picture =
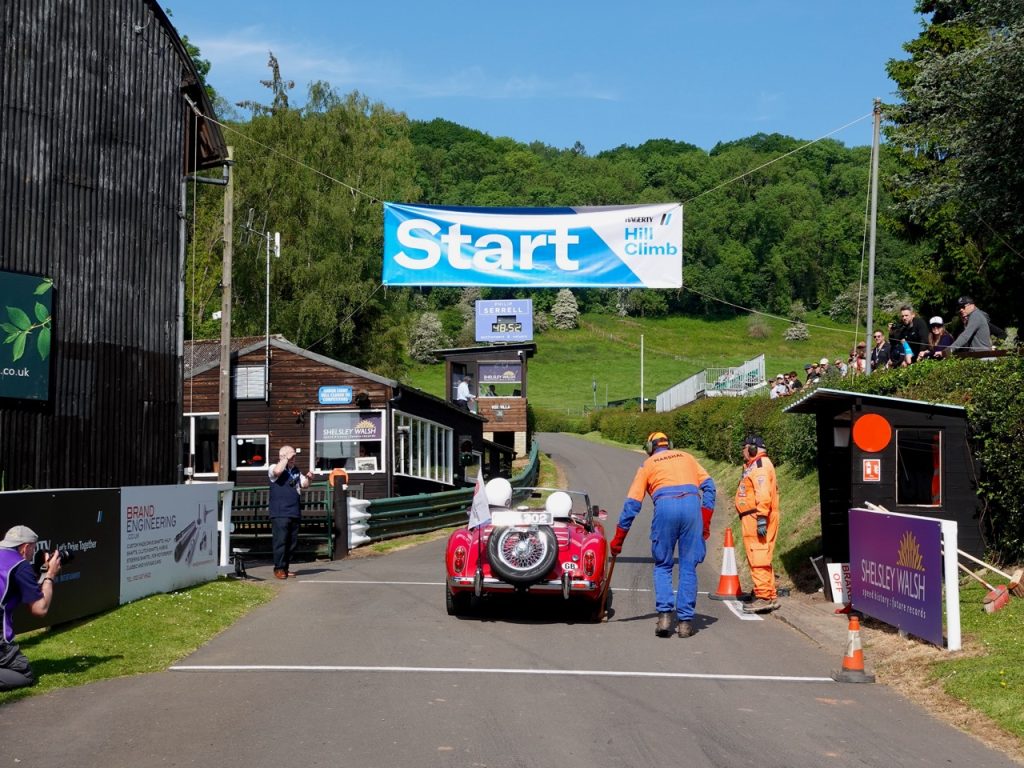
561	71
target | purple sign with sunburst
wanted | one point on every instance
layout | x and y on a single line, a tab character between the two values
896	570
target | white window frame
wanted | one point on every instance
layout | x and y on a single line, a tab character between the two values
250	467
191	441
422	448
350	470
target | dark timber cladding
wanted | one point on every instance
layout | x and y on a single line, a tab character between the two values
918	464
95	138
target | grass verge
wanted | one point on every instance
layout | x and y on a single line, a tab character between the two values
145	636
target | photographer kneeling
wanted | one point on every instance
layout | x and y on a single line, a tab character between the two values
18	585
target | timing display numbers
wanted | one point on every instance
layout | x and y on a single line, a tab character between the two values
506	324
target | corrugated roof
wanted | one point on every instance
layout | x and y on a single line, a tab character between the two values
208	356
824	399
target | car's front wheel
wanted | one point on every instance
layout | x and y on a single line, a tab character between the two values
522	556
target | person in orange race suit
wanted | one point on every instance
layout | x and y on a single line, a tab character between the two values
757	502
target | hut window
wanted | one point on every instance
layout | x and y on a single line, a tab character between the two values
919	467
249	382
423	448
201	447
249	451
349	440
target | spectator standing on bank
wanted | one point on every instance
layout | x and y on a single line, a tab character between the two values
286	484
857	362
793	382
879	352
938	340
684	501
976	334
19	586
841	367
779	388
910	329
757	503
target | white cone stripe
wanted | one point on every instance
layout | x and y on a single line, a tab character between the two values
729	562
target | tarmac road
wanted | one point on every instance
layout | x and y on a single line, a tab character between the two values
356	664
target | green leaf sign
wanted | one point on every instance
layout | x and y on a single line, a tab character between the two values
25	335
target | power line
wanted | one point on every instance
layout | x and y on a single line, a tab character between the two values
780	157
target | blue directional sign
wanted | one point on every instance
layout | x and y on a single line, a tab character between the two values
612	247
335	395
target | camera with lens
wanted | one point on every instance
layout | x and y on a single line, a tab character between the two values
39	561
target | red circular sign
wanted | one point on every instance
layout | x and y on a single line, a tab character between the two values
871	432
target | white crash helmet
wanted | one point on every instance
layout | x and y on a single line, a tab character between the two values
559	504
499	492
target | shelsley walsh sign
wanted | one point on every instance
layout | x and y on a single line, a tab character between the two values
896	570
610	247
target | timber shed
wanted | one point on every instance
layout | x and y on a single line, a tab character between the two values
391	439
908	456
97	139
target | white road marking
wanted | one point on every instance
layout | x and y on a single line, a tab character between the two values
494	671
734	605
737	608
387	583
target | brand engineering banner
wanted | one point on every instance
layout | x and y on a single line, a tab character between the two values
610	247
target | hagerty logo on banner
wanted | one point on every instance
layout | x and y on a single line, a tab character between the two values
612	247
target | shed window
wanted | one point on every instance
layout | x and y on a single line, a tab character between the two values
423	449
919	467
349	440
201	444
249	382
249	451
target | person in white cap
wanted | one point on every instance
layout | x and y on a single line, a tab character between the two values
938	339
18	586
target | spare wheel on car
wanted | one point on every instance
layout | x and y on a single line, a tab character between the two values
522	555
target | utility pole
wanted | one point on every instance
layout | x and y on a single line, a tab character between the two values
871	235
224	407
641	373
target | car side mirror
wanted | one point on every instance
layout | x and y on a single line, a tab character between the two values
600	514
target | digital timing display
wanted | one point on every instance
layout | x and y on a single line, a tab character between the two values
506	324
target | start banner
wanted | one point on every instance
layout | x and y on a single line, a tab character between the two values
605	247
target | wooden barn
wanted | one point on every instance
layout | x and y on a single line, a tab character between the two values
908	456
97	139
391	439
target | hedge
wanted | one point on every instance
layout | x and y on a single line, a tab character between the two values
991	392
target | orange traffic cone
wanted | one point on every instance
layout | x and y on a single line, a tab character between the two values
729	582
853	661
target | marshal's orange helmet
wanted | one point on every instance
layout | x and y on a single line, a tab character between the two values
656	440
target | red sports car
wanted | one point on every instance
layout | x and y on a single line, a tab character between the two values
538	541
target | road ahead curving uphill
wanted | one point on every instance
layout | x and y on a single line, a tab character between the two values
356	664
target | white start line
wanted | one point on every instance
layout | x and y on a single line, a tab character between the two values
494	671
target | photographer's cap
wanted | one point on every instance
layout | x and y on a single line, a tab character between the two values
18	535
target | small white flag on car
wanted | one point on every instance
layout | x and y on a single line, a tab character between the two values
480	512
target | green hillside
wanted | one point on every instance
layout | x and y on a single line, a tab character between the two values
606	349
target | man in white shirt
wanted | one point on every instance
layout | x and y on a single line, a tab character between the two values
464	393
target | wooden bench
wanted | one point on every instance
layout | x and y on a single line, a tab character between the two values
251	527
